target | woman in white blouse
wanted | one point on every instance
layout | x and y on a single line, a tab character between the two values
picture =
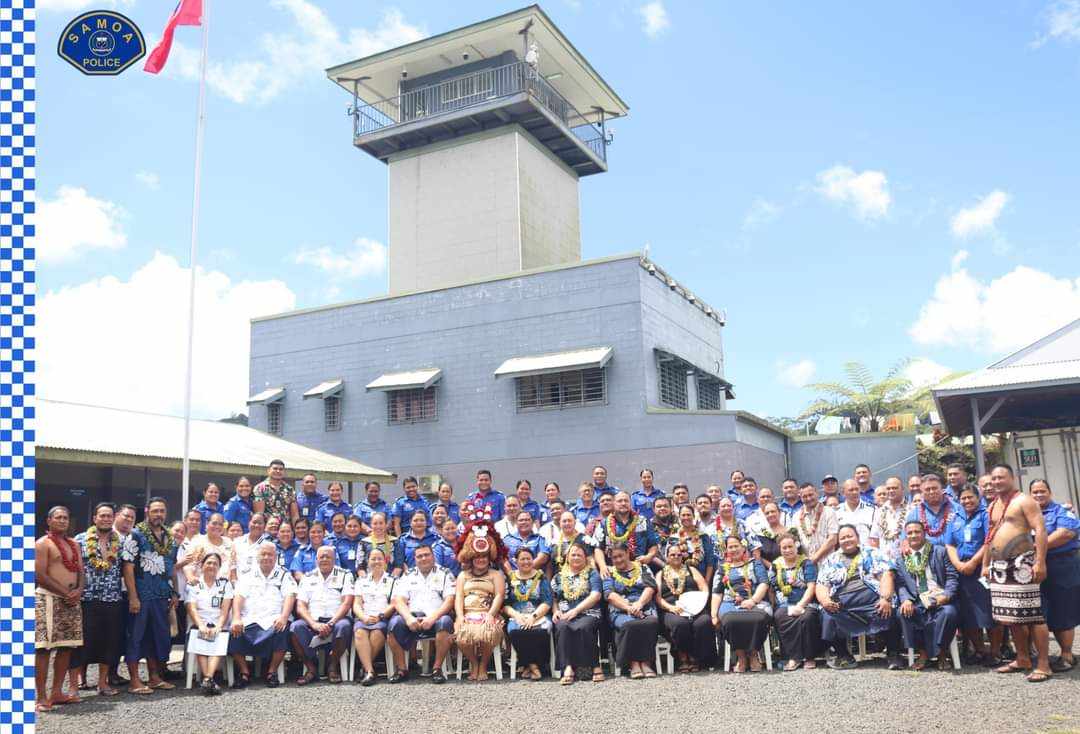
372	610
214	541
209	598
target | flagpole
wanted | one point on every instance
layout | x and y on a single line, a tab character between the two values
199	125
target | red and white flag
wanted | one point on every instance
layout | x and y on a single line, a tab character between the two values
187	12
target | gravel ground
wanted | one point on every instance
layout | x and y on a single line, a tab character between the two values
871	699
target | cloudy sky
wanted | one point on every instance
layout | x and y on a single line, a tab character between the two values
847	182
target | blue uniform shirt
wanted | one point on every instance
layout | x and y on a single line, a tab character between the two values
453	511
326	511
868	495
584	514
493	500
408	543
364	510
308	504
348	551
744	509
533	508
238	509
735	493
535	542
642	502
444	556
286	555
304	560
405	507
787	508
206	510
967	534
1056	517
933	519
606	489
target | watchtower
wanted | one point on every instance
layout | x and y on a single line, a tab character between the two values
485	131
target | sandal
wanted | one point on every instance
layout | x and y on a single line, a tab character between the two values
1010	668
42	707
567	679
810	664
598	677
334	677
648	672
637	674
64	700
306	678
1061	665
919	664
107	692
162	685
141	690
792	665
1037	676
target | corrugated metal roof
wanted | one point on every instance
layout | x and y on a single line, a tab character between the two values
541	364
271	395
96	429
412	379
1034	374
325	389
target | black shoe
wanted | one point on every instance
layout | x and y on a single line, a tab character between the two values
368	680
895	663
272	681
399	677
207	687
241	682
115	681
438	677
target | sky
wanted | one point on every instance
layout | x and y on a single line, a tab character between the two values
847	181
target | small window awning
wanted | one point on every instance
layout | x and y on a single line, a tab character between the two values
543	364
327	389
410	380
270	395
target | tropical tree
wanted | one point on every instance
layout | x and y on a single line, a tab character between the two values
862	396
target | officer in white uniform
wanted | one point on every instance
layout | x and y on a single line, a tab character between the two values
424	599
262	604
323	603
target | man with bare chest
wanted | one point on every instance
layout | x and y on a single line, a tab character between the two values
1015	566
57	607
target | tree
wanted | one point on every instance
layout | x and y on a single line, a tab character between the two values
863	397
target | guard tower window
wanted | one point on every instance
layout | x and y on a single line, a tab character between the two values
673	382
332	413
708	393
574	389
273	418
412	406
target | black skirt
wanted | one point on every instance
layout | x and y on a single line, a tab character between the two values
635	640
103	633
575	643
745	629
694	636
531	645
800	636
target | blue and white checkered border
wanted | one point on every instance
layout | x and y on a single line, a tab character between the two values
17	287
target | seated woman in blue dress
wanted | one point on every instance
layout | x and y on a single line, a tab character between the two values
692	637
740	610
697	547
1061	589
730	526
372	611
576	592
629	591
793	578
528	601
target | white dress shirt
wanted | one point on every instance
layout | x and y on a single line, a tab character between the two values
209	599
324	594
425	593
374	595
264	595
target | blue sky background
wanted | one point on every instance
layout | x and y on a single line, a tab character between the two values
846	181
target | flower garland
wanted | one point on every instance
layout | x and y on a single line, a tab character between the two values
529	585
574	586
726	531
690	543
946	511
675	580
853	567
102	561
628	582
157	546
995	526
891	522
916	563
787	575
663	529
66	545
809	532
562	549
628	537
747	583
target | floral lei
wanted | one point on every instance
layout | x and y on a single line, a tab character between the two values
726	531
691	539
530	585
675	580
932	532
630	581
628	538
916	561
786	576
163	550
895	518
574	586
100	561
809	532
746	582
853	567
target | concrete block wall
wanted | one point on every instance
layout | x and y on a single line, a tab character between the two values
887	454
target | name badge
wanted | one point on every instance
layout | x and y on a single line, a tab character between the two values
352	555
215	603
967	534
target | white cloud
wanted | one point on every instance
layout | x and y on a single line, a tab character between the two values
654	18
1001	315
980	218
924	371
958	259
867	192
761	212
287	59
363	259
796	374
1062	23
123	342
74	222
149	179
71	5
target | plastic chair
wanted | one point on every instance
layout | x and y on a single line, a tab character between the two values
861	642
192	665
663	647
496	657
954	652
388	658
551	665
767	648
322	654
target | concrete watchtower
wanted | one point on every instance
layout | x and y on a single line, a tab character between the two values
485	131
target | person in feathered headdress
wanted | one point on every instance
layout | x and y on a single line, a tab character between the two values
481	588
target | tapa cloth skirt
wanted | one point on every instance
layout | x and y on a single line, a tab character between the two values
478	629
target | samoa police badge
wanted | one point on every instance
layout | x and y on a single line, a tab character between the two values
101	42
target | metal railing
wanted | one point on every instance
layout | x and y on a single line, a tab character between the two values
472	90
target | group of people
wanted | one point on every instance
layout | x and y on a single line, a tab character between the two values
274	570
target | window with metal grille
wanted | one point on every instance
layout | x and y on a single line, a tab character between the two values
673	382
332	413
562	390
708	393
273	418
412	406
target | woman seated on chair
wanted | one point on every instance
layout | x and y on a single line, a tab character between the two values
793	578
730	526
372	610
630	590
481	590
739	607
692	637
567	536
576	592
527	607
209	598
767	531
697	547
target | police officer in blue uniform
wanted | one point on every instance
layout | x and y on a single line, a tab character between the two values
1061	589
333	505
209	504
523	490
407	505
642	499
417	536
309	498
964	540
443	548
488	497
286	544
304	560
239	507
446	499
525	536
371	504
347	546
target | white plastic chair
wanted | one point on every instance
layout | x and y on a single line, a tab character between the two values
323	654
954	652
387	655
663	647
496	657
551	665
192	665
767	648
